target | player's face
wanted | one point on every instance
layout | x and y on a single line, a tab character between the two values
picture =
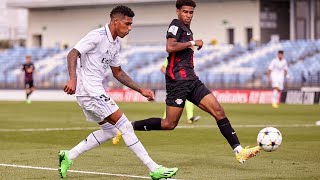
28	60
123	26
185	14
280	56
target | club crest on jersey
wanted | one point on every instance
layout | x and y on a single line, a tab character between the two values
179	101
110	55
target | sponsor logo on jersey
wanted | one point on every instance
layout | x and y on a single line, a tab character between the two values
107	59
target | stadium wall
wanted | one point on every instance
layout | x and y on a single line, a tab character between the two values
51	27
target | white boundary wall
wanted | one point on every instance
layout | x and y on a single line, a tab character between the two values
38	95
67	25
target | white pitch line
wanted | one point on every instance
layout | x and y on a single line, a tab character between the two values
49	129
179	127
76	171
249	126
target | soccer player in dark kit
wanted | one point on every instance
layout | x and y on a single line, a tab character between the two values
28	69
183	84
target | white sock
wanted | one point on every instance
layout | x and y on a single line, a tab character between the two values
275	96
237	150
94	139
133	142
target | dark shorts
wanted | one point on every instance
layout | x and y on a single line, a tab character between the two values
28	84
179	91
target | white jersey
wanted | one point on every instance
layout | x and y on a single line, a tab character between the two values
278	68
98	51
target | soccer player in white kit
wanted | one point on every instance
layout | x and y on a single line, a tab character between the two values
277	71
98	50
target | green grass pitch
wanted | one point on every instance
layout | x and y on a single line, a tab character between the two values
199	152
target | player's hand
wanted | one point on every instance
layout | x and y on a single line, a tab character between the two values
149	94
70	87
199	43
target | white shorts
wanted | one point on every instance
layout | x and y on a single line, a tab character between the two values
97	108
277	83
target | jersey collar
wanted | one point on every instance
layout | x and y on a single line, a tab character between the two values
108	33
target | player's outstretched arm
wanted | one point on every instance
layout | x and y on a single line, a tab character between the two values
70	87
122	77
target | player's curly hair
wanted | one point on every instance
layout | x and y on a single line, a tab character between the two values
181	3
124	10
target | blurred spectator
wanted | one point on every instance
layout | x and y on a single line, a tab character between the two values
28	69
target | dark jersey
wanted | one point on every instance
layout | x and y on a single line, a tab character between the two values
180	63
28	71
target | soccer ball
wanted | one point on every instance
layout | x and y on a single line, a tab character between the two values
269	139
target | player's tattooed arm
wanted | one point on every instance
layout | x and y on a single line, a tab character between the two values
72	63
122	77
70	87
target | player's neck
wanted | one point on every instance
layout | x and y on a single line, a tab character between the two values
112	31
188	25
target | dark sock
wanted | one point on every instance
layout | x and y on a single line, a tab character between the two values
28	94
228	132
147	124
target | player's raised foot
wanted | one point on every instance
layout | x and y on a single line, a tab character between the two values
163	172
64	163
194	119
274	105
117	138
247	153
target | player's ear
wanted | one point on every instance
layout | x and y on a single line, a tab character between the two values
118	18
177	12
115	20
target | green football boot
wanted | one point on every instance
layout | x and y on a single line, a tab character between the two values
163	172
64	163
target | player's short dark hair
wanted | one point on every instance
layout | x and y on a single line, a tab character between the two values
181	3
280	52
123	10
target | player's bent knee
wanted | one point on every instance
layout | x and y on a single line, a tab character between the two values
109	129
220	113
168	125
124	125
